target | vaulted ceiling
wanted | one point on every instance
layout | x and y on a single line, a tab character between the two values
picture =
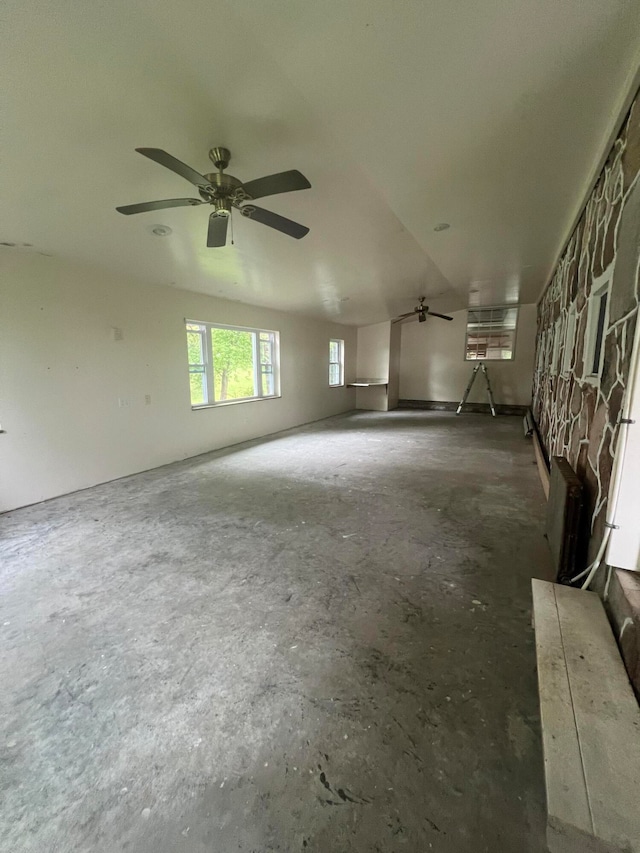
403	114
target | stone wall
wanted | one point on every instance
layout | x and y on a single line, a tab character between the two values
578	417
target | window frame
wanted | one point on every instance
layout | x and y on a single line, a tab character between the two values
596	334
569	340
340	362
542	343
205	330
514	332
557	340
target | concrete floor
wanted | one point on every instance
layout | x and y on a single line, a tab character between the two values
320	642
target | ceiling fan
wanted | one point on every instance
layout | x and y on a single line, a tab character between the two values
421	310
224	192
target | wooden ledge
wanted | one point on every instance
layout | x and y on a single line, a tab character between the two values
590	726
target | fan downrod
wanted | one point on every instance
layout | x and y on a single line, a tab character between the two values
220	157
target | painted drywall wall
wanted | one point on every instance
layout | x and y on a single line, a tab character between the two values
432	365
395	340
373	363
62	376
373	351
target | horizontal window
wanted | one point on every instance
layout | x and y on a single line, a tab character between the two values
491	333
230	364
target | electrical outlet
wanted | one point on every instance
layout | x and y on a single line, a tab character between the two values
147	399
123	402
117	333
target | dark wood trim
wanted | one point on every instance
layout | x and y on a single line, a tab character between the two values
541	461
473	408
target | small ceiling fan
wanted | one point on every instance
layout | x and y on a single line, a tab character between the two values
421	310
224	192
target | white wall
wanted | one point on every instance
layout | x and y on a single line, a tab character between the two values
373	363
373	351
432	365
395	342
61	375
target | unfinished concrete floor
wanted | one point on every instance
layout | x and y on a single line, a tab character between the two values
319	642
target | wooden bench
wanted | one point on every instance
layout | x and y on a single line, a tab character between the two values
590	726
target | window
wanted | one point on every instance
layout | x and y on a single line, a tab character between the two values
336	362
597	321
557	339
491	333
229	364
569	340
541	351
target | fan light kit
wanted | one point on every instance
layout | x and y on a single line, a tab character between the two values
421	310
161	230
224	192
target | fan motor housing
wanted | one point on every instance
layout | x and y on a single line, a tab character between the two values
224	186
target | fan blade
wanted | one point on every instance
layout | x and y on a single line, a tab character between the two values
217	233
443	316
128	209
274	220
283	182
404	316
169	162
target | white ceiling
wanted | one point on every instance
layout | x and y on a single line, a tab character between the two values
402	113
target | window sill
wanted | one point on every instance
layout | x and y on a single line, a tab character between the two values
493	360
337	385
235	402
592	378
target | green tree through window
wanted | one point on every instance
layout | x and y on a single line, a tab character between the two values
233	373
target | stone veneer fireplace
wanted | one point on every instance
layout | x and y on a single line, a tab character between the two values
577	414
577	417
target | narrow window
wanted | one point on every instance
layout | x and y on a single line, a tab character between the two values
336	362
597	319
267	360
231	364
557	339
600	326
491	333
196	347
567	359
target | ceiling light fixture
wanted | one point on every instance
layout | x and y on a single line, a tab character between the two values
442	226
161	230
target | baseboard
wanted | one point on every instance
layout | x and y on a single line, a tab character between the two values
474	408
541	461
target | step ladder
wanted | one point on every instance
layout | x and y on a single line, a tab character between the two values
479	366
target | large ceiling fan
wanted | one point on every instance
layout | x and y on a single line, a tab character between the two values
224	192
421	310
